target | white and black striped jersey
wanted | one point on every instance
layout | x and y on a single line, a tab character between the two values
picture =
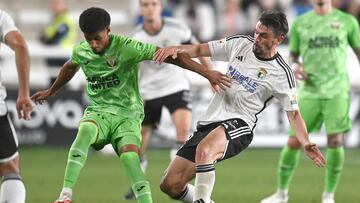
6	25
255	82
165	79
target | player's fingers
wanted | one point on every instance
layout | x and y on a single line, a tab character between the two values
157	55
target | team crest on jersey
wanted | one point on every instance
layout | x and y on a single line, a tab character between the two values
111	62
262	73
335	25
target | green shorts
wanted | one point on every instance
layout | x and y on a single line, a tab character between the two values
334	113
114	129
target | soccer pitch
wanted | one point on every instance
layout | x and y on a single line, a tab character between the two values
246	178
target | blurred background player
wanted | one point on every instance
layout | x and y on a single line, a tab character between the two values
12	187
110	63
321	37
259	74
163	85
61	31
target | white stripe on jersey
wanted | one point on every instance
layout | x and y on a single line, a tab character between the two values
255	82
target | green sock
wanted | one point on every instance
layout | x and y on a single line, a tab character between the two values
289	160
78	152
334	164
140	185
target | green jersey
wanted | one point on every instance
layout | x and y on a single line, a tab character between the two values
322	42
112	77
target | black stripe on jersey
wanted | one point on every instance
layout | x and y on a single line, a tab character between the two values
250	38
262	109
288	71
291	73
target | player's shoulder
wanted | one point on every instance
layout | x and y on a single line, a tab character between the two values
285	70
4	16
174	23
304	17
343	15
240	39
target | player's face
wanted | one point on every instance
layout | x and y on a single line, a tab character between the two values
265	41
98	41
321	3
150	9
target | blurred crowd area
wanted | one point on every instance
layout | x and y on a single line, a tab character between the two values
208	19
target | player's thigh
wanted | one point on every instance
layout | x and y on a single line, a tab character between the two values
336	115
8	140
311	112
127	131
103	122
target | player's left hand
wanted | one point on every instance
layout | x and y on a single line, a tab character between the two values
314	153
24	107
162	53
218	80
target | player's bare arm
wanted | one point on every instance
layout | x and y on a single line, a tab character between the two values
216	78
17	43
193	50
311	150
297	67
66	73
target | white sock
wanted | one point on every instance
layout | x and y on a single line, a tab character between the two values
66	194
204	182
187	195
12	189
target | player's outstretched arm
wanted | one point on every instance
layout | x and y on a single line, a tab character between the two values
311	150
193	50
17	43
66	73
216	78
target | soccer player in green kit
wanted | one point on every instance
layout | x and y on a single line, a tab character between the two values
321	37
110	63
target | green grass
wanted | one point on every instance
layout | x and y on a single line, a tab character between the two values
246	178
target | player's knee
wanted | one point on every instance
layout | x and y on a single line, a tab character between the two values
87	128
9	167
335	141
203	153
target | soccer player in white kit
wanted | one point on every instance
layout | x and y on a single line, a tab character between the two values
12	188
163	85
259	75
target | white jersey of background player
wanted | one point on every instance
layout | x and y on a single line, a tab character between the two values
165	79
12	188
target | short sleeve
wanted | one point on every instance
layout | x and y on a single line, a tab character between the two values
6	25
294	39
75	59
285	92
220	49
354	33
138	50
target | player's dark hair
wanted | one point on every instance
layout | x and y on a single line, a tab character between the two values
93	20
276	21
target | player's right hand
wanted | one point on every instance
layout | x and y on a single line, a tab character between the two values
162	53
314	153
41	96
299	71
